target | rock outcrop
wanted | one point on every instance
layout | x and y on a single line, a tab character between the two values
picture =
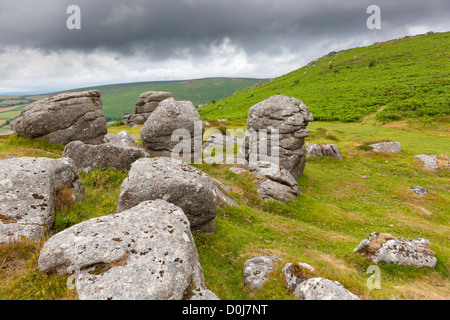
385	248
171	116
144	253
63	118
256	270
434	162
389	146
176	182
274	182
303	285
290	117
322	150
30	188
107	155
146	104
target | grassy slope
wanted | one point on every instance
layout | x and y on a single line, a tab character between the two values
337	210
120	99
411	77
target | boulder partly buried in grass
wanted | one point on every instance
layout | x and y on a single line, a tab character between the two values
386	248
30	191
301	281
144	253
256	270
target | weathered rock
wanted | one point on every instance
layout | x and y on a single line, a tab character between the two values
29	189
256	270
237	170
385	248
390	146
122	139
434	162
419	190
275	183
144	253
146	104
290	117
304	286
173	181
87	157
6	133
63	118
171	115
322	150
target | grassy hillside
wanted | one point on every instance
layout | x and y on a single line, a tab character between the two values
120	99
403	78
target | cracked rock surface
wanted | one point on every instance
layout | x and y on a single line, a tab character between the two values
28	192
176	182
144	253
65	117
386	248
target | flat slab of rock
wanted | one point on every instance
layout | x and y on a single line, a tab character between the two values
145	253
275	183
176	182
322	150
390	146
87	157
385	248
28	192
304	286
434	162
419	190
288	115
256	270
63	118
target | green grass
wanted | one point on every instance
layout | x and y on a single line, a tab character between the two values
403	79
338	208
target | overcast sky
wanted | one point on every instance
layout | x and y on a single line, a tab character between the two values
149	40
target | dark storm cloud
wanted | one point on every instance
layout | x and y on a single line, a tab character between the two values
164	27
146	40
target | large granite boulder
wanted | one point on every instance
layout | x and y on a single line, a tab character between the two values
176	182
386	248
29	191
107	155
63	118
290	117
144	253
146	104
322	150
301	282
172	115
274	182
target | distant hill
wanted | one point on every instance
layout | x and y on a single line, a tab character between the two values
402	78
119	99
